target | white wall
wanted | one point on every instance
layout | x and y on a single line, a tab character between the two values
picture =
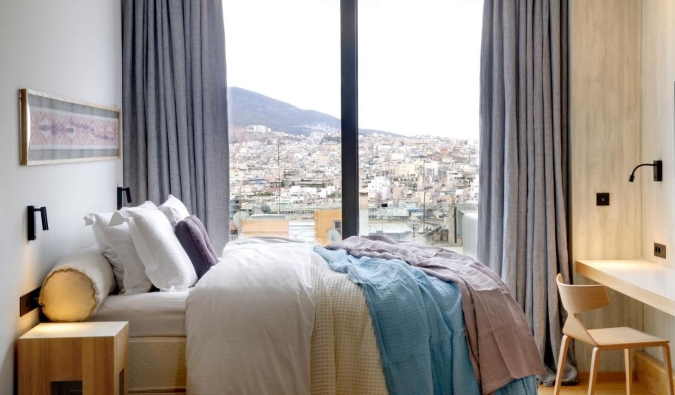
658	142
69	48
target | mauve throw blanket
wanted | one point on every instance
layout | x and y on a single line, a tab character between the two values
502	347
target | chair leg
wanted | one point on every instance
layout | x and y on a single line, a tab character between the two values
561	363
629	370
669	368
594	371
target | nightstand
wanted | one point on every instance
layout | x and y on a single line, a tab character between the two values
59	358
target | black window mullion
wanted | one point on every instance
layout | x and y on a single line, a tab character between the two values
350	121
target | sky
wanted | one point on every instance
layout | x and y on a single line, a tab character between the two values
418	60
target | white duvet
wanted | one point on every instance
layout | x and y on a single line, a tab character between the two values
272	318
251	316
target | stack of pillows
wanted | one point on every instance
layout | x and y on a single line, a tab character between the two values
138	248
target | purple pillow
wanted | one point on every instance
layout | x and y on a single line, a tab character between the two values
192	236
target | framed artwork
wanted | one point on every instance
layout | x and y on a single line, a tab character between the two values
57	130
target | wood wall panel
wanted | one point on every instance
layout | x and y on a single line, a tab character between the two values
658	142
605	144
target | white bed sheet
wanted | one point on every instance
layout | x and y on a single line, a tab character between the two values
152	314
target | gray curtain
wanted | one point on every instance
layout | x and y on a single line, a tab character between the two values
175	107
522	223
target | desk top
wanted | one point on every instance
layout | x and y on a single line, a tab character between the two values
647	282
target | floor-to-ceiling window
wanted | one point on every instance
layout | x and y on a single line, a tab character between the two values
283	69
417	118
418	113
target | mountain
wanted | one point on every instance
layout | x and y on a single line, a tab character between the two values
252	108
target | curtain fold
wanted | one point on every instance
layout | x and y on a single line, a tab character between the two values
522	221
175	107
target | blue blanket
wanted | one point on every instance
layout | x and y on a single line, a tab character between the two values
419	327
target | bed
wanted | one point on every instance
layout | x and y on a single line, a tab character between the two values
157	346
181	340
362	316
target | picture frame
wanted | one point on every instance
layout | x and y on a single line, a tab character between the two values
58	130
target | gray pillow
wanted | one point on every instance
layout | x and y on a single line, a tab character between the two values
195	241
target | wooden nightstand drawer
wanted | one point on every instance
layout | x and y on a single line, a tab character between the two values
93	353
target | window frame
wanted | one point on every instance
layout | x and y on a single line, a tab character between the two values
349	100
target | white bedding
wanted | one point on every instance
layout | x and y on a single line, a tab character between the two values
266	316
153	314
250	321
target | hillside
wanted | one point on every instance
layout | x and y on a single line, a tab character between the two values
252	108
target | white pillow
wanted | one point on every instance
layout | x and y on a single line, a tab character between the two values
174	210
166	262
99	221
116	244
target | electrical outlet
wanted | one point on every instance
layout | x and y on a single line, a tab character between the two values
602	199
660	250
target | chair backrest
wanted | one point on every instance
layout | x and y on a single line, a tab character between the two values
578	299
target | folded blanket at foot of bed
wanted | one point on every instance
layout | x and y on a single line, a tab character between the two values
501	346
419	327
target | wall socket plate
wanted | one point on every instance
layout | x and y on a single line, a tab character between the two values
602	199
660	250
29	302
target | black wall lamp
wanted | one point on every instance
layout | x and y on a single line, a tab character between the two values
658	170
120	204
31	220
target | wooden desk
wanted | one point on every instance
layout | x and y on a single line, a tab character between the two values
647	282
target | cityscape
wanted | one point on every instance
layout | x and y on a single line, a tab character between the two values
289	185
415	82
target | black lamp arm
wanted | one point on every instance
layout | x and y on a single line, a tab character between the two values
658	170
43	216
632	175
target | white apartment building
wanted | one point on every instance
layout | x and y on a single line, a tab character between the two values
258	129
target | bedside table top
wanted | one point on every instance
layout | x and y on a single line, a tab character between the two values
75	329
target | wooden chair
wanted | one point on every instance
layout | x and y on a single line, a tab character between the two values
581	298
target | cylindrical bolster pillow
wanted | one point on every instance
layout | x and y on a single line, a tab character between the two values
77	286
